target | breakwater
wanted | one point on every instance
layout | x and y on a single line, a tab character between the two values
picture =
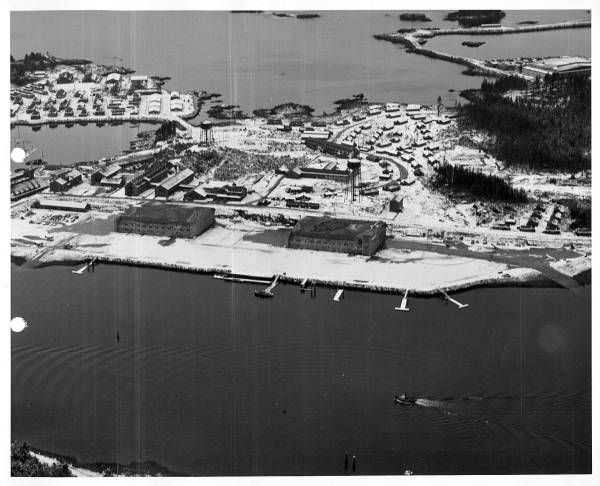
503	29
412	41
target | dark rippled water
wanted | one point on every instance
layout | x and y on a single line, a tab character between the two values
208	380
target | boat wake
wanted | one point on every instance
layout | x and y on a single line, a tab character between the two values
489	415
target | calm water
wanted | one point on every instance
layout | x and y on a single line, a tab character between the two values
62	145
568	42
258	61
208	380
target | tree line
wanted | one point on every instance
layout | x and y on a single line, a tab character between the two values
22	463
548	126
457	178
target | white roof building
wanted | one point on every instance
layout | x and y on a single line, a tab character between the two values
113	78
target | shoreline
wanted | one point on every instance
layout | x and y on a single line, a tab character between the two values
521	278
97	469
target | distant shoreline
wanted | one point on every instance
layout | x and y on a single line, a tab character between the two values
98	468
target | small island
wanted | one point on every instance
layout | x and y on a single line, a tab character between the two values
285	109
473	43
475	18
307	16
414	17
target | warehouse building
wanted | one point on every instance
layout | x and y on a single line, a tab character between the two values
397	204
560	66
66	180
165	219
154	173
342	150
26	187
139	82
316	173
169	186
339	235
61	205
224	193
101	176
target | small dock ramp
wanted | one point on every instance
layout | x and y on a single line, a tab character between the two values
454	301
270	288
87	266
81	270
339	295
268	292
404	303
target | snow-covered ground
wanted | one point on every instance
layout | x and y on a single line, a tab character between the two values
226	247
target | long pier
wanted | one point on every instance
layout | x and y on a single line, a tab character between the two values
410	40
454	301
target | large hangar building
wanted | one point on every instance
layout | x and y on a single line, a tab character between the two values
165	219
339	235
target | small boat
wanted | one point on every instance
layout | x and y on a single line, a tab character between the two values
404	400
263	294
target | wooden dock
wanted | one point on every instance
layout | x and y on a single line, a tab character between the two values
454	301
404	303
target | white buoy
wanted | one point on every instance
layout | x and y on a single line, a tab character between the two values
18	155
18	324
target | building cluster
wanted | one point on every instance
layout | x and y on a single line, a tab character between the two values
561	67
66	180
152	173
564	66
339	235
